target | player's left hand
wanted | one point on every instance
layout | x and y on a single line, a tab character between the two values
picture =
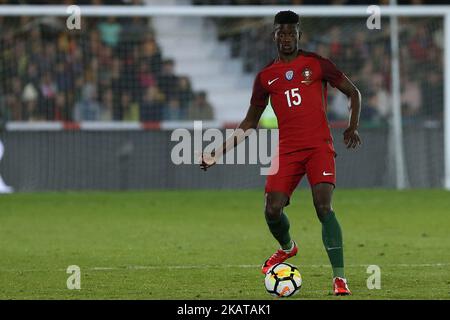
351	138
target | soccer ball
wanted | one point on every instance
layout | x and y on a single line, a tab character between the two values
283	280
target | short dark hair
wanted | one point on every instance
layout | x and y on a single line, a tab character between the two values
286	17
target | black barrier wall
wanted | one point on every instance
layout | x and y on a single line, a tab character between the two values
133	160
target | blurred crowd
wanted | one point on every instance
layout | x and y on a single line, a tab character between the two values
367	61
114	71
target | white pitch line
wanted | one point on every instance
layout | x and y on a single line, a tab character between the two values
249	266
230	266
241	266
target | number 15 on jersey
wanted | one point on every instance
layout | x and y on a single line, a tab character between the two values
293	97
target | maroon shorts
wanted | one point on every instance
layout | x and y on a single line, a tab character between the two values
318	164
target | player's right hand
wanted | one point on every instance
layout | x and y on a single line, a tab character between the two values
207	161
351	138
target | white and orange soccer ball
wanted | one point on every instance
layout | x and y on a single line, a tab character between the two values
283	280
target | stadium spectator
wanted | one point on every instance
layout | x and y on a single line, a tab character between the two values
380	99
361	46
107	106
130	108
30	103
63	79
167	80
87	109
185	95
432	97
105	65
335	43
117	85
13	99
411	98
200	108
152	106
61	110
110	31
420	44
151	55
48	93
172	110
145	77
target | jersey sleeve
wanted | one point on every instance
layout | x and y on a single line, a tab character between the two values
260	95
330	72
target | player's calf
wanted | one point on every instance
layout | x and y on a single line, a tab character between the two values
276	219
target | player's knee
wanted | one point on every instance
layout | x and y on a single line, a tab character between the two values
273	210
322	210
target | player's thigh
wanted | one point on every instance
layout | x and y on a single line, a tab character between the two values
321	166
285	180
322	194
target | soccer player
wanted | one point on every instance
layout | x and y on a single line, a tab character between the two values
296	83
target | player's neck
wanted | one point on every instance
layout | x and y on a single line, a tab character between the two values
287	58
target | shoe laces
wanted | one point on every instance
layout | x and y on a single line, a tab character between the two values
279	254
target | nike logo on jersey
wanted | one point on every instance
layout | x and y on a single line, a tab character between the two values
272	81
327	173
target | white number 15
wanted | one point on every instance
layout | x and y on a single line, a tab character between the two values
293	97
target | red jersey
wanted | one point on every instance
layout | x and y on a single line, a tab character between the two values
298	95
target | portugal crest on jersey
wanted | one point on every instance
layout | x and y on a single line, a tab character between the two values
289	75
307	74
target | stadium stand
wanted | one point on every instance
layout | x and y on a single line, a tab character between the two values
118	70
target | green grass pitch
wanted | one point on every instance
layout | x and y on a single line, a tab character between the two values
210	244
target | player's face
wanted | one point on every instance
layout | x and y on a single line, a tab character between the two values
286	38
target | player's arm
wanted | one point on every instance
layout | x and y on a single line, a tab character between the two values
351	136
258	103
339	80
250	121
